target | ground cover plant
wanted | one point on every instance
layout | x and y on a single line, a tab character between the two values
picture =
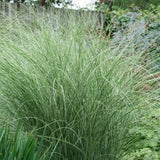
83	92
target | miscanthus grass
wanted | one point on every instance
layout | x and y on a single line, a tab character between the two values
65	78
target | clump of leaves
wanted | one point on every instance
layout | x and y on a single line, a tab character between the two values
148	145
18	144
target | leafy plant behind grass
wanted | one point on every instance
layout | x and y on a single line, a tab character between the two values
72	83
143	4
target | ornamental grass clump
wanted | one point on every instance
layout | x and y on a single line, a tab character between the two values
70	82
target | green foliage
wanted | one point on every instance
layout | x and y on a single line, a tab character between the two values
18	145
143	4
146	24
146	35
148	146
86	93
125	4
